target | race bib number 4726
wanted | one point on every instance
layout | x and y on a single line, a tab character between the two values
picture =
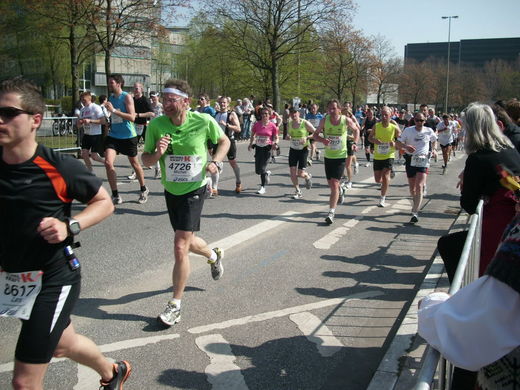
18	291
182	169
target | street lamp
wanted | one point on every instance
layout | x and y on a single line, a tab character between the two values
448	67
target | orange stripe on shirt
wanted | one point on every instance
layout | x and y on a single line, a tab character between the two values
57	180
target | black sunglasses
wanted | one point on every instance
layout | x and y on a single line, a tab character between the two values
419	120
11	112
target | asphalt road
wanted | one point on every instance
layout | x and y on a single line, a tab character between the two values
301	305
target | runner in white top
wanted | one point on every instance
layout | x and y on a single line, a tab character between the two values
91	118
446	130
415	141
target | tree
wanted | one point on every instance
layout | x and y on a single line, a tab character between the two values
416	83
385	69
264	33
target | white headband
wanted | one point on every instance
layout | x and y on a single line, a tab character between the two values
176	92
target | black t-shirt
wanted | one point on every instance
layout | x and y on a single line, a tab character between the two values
142	105
368	125
43	186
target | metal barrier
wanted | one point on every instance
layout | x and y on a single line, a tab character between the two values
60	133
467	271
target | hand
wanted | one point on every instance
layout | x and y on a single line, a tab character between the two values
109	106
461	180
410	148
212	167
53	230
163	143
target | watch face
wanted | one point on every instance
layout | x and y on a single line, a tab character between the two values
74	227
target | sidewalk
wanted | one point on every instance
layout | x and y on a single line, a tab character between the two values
402	360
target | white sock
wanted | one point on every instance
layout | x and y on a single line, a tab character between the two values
333	211
383	198
213	256
177	302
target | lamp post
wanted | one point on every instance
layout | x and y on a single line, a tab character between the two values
448	67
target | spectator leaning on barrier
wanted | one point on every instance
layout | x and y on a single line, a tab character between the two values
478	328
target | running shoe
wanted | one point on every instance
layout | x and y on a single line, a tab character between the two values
278	151
273	159
298	195
356	168
117	199
238	188
341	194
368	164
330	218
392	174
309	162
122	371
308	182
214	193
268	179
143	198
157	174
133	176
261	191
415	218
171	314
317	155
348	186
217	269
381	203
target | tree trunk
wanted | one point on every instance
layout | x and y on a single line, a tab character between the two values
275	86
74	66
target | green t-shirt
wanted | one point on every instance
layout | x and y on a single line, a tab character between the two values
337	134
386	135
298	136
183	165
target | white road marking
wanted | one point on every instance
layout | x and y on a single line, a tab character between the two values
86	376
222	372
283	312
318	333
334	236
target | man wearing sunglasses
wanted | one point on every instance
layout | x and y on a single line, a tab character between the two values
415	141
39	274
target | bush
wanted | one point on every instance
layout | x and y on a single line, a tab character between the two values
66	104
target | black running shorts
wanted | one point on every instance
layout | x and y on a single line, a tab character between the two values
334	168
298	158
94	143
411	171
387	163
50	316
185	210
126	146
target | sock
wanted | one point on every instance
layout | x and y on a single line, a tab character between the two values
177	302
215	177
333	211
115	193
143	188
213	256
383	198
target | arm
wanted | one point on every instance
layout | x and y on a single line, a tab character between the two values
234	123
222	149
319	130
352	123
98	208
483	316
310	128
129	115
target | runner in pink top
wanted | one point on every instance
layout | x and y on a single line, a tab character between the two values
265	138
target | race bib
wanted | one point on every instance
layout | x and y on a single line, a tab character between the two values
86	128
420	161
139	129
383	148
297	143
183	169
116	118
262	140
18	291
335	142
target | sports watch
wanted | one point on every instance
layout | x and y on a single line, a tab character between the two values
73	226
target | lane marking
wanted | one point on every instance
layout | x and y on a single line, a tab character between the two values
334	236
222	372
283	312
317	332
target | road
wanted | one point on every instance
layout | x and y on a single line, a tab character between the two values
301	305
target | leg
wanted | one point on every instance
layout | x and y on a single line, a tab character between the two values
181	269
420	181
385	179
236	170
96	157
294	178
334	192
138	169
83	350
28	376
85	155
110	156
349	167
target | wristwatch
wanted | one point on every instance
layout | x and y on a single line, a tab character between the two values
73	226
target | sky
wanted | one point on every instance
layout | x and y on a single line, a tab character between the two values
399	23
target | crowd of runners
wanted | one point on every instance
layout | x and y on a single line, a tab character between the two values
186	147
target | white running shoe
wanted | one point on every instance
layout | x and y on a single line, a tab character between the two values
171	314
348	186
341	194
330	218
381	203
157	173
133	176
268	178
261	191
356	168
298	195
117	200
143	197
368	164
217	269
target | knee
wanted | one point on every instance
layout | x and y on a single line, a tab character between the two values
84	154
109	165
25	382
